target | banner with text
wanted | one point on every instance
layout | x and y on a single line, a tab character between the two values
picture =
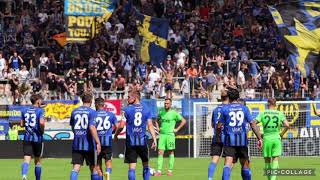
60	109
85	18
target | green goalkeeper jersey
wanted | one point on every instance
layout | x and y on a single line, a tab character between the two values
271	121
168	121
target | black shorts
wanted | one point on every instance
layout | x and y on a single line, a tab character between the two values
106	153
32	148
79	156
236	152
168	86
216	149
132	153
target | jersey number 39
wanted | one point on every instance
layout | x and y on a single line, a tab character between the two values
236	118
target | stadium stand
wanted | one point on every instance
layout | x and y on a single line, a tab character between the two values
212	45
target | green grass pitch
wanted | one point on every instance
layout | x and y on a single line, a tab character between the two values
185	169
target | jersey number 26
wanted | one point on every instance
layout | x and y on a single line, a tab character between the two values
103	124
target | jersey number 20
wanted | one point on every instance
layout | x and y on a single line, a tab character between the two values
236	118
81	121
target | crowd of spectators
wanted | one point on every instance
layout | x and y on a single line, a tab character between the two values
211	45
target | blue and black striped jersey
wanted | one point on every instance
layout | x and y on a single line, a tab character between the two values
137	117
104	121
234	118
81	119
31	117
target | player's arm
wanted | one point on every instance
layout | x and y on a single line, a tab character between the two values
93	132
255	129
153	134
157	122
42	120
120	128
286	127
317	113
183	122
72	121
212	120
22	119
115	124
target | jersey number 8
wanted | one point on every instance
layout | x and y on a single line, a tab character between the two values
81	121
236	117
103	124
137	119
30	119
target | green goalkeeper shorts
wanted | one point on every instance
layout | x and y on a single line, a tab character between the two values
167	142
272	147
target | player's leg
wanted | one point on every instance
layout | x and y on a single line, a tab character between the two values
267	154
131	158
38	150
91	160
267	165
161	148
216	151
274	165
27	151
100	157
275	153
108	169
132	171
243	154
77	162
230	154
171	144
143	153
108	162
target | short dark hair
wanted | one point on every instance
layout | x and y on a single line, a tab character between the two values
242	101
34	98
99	101
233	94
224	95
168	99
86	98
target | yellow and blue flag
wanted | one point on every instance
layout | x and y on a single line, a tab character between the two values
85	18
154	32
299	24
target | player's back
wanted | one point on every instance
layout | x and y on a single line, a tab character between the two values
235	117
271	121
216	115
81	118
136	118
104	121
31	117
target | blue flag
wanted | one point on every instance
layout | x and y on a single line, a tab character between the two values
154	32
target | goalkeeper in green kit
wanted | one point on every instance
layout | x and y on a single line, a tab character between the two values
167	120
272	121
